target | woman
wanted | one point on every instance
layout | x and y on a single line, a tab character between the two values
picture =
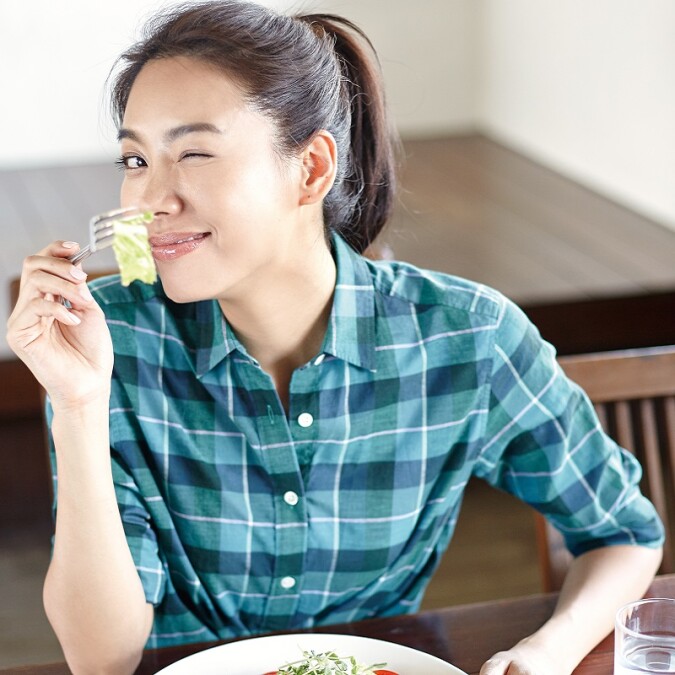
289	427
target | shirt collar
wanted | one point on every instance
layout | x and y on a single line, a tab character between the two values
214	340
351	328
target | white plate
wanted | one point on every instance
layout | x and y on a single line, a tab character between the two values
256	656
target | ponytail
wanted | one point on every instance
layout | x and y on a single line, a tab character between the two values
307	73
362	199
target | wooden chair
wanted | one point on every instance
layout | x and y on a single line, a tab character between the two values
633	393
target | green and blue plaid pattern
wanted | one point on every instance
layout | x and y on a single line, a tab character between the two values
243	519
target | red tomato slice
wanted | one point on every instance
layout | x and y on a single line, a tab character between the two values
377	672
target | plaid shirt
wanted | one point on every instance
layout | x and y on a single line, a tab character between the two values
242	519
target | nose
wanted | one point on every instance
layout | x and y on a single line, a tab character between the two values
153	192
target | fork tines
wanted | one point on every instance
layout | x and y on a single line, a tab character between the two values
103	235
101	232
101	227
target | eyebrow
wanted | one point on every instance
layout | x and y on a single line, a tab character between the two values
173	134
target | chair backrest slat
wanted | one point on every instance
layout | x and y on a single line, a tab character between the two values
653	464
669	435
601	412
624	426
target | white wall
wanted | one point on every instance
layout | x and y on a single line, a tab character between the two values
588	88
427	55
55	58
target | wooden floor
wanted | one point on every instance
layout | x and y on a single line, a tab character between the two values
469	207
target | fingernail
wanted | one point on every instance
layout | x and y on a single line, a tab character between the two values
69	244
85	293
77	273
75	320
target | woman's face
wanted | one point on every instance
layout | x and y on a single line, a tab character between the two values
227	214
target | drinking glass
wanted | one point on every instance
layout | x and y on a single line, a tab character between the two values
644	637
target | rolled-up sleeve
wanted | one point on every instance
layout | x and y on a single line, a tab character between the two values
544	444
139	533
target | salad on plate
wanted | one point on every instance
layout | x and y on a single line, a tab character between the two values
329	663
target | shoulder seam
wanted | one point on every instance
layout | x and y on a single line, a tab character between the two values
486	301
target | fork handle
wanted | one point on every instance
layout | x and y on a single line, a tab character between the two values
81	255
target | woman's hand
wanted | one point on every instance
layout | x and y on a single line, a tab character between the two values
523	659
68	350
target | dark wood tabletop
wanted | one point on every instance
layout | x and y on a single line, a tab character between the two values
465	635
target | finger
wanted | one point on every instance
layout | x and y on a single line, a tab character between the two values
43	285
51	309
28	327
60	249
496	665
53	259
55	265
503	665
40	283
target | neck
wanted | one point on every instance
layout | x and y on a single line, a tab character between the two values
282	321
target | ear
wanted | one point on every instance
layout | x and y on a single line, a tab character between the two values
319	164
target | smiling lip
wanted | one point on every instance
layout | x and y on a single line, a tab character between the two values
175	245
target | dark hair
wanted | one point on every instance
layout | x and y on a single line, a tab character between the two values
306	72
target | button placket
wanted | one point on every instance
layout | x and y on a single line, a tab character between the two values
288	542
303	412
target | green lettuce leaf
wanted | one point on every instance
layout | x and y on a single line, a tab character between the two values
132	249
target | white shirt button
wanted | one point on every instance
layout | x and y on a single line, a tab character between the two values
319	359
287	583
305	420
291	498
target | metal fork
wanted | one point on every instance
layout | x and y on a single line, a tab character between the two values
101	232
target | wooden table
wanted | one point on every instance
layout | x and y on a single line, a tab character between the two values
465	635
